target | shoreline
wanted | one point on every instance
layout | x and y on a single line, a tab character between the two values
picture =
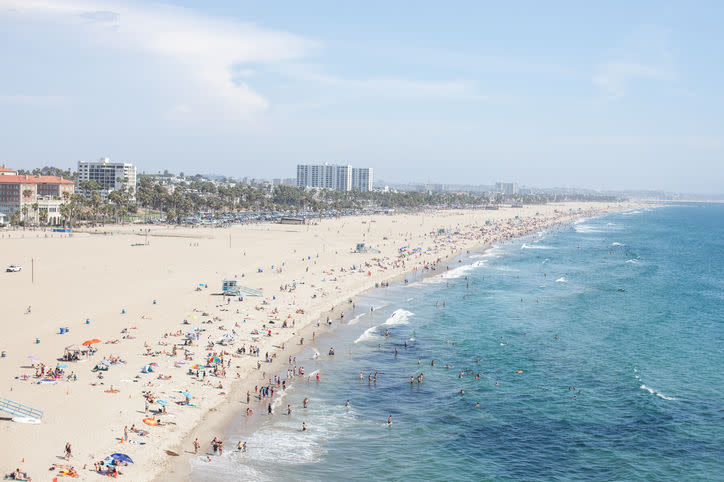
165	270
217	422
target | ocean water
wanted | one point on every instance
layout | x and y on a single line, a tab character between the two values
599	349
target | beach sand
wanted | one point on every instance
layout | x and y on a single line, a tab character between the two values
110	277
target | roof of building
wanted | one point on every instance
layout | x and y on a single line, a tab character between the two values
27	179
5	169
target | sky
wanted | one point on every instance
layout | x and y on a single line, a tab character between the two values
605	95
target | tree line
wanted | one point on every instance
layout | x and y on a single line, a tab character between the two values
175	202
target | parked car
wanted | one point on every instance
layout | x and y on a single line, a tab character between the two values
13	268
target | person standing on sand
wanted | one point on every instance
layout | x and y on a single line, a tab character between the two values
197	444
68	451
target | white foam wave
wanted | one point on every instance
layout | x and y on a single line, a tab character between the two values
617	244
399	317
454	273
658	394
354	320
585	229
633	261
368	335
535	246
561	280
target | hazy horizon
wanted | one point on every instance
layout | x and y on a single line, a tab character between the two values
615	97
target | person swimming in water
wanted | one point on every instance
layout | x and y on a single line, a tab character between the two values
389	420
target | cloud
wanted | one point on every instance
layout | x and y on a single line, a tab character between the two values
614	77
389	86
203	49
641	55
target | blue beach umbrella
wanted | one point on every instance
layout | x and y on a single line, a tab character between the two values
122	458
162	402
187	394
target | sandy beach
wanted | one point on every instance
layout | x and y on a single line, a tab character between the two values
141	293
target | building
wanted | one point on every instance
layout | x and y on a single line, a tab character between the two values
338	177
506	188
362	178
110	175
35	193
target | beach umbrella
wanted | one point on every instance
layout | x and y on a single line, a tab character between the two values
213	360
90	342
187	395
122	458
35	359
199	367
162	402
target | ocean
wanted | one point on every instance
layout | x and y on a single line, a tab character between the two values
591	351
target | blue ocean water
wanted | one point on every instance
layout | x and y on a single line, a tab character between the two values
598	348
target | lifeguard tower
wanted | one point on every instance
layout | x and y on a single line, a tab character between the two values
230	287
365	248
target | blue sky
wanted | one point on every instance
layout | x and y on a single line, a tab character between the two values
608	95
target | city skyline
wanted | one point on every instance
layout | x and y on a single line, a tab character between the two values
609	97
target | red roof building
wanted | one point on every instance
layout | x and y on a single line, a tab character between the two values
17	191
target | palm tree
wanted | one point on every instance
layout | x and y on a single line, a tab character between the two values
35	210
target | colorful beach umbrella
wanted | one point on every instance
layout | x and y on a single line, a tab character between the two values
122	458
213	360
91	342
199	367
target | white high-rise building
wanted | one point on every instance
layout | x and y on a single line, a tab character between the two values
327	176
110	175
362	178
507	188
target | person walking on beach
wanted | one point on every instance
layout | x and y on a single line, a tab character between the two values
197	444
68	451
